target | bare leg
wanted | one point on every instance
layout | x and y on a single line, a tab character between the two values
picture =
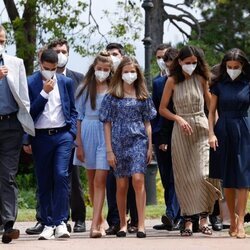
99	195
230	194
138	181
121	198
241	208
91	176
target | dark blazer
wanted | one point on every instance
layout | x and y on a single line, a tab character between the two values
66	91
75	76
161	127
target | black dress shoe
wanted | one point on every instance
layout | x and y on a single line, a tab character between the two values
9	235
79	227
167	221
132	228
112	230
37	229
216	223
121	234
247	217
141	234
162	227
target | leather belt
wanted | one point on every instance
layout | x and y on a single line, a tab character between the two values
51	131
7	117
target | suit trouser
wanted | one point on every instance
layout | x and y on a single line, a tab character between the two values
77	204
11	133
51	157
164	161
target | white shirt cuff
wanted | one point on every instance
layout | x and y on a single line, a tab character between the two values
44	94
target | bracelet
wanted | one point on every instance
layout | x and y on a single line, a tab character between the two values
109	151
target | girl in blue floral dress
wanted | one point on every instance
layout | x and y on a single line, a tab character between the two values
126	112
91	150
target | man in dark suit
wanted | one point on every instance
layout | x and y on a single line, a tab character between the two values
54	114
78	209
161	135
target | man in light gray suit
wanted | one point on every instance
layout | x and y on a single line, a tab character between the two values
14	120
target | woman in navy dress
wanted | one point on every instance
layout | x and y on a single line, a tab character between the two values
230	135
126	112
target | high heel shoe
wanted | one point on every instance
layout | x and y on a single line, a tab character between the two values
121	234
233	233
94	233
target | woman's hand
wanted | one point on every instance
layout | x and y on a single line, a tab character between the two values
163	147
186	128
111	159
80	153
149	156
213	142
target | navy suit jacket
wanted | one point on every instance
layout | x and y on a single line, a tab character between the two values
66	91
161	127
76	77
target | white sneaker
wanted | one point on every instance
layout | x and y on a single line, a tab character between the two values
47	233
61	231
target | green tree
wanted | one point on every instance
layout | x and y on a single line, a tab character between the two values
34	22
225	25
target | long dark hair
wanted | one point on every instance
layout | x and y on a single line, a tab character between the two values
116	86
89	82
234	54
187	51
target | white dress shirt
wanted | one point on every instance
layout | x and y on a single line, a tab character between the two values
52	115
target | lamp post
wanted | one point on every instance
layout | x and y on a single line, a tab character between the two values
147	41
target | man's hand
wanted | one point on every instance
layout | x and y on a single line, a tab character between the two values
48	86
3	71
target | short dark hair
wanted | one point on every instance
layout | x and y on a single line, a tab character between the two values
49	55
118	46
162	47
170	54
58	41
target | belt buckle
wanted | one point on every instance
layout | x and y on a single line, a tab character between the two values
52	131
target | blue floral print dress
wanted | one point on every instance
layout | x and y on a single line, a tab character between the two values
128	136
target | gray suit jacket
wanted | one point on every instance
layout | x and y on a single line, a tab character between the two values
17	81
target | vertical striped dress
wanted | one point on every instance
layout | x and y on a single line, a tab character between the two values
190	153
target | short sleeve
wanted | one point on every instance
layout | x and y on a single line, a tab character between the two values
149	111
106	113
80	106
214	89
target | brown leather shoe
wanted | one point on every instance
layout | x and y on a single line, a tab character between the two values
9	235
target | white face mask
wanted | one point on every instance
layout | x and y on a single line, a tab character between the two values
129	78
234	73
62	60
47	74
116	61
101	75
2	47
161	64
189	68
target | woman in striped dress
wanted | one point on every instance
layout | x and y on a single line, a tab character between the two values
188	86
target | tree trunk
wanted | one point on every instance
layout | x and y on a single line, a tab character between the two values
24	31
157	19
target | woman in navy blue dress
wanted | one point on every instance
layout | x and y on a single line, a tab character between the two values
230	135
126	112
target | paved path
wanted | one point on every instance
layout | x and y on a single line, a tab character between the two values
156	240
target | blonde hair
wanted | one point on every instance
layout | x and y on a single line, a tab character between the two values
116	85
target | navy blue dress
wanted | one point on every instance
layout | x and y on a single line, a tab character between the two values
231	161
128	135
